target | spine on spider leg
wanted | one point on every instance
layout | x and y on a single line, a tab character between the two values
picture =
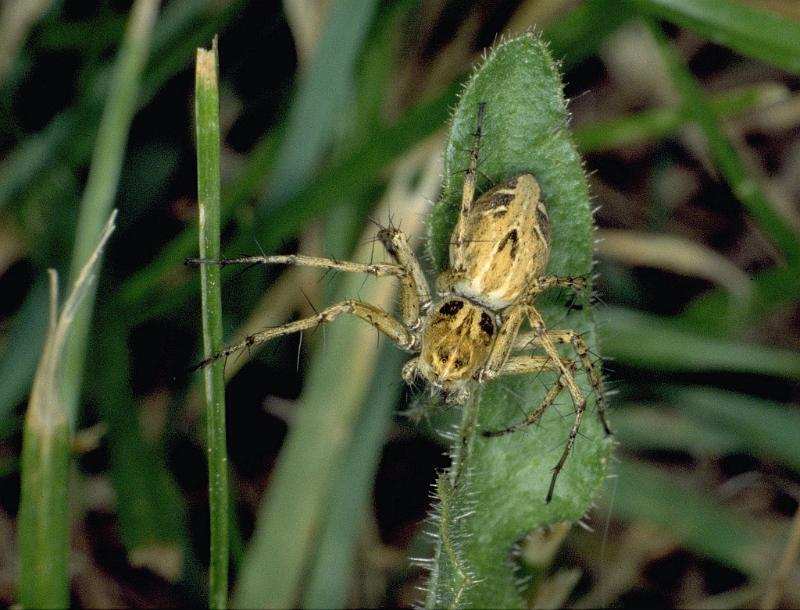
495	493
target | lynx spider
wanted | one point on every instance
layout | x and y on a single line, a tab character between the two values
470	330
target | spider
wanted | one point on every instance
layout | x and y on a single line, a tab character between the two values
469	331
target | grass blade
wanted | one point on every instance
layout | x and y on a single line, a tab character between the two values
763	427
331	575
322	94
44	521
652	342
744	186
23	347
658	427
718	313
746	29
180	28
103	179
661	122
208	190
644	494
577	34
150	509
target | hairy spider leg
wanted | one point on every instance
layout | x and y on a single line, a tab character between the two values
375	316
414	293
468	191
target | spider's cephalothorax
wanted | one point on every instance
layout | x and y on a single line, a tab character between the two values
457	337
498	255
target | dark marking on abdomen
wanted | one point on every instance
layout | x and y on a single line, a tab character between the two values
513	238
500	200
544	222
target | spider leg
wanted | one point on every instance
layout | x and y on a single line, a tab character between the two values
377	317
524	364
544	340
376	269
573	433
468	193
414	291
503	344
409	371
532	340
536	414
530	364
558	281
415	295
582	350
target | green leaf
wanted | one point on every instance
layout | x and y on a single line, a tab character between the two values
748	30
744	186
762	427
653	342
495	493
644	494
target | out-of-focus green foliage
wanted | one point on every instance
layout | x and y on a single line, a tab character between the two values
341	124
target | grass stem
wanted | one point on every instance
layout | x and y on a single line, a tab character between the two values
208	193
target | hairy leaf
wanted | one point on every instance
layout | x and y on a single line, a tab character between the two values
494	494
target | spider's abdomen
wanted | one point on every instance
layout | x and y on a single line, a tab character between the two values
505	243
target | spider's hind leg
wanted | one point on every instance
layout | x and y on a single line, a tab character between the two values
518	364
582	350
537	413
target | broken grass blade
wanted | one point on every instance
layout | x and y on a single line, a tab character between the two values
44	507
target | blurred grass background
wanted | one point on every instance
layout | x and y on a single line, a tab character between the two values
687	112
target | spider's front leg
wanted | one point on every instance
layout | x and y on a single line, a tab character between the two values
376	269
409	371
415	296
503	344
375	316
414	292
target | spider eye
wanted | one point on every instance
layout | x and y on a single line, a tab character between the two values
459	363
451	308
